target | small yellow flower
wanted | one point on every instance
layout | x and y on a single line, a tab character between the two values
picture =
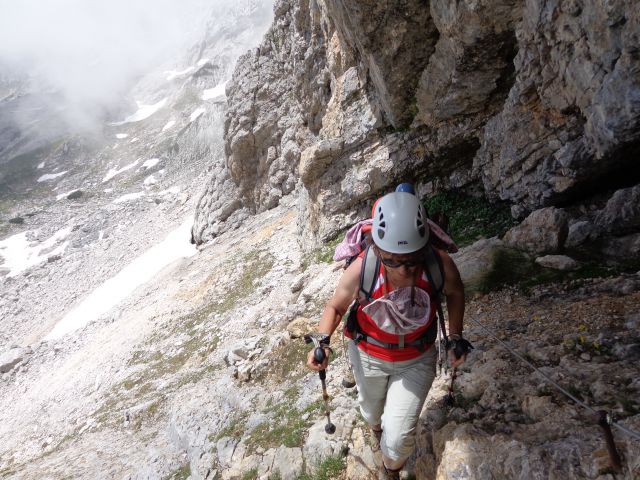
581	339
582	327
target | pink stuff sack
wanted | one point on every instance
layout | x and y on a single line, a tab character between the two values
398	313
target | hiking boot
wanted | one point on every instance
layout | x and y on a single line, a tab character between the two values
387	474
349	381
375	441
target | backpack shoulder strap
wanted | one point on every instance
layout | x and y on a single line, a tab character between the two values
435	271
435	274
368	274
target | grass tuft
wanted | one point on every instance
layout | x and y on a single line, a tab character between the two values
328	469
287	425
251	474
324	253
515	268
470	218
181	473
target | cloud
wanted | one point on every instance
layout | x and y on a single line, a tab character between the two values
92	48
81	55
78	59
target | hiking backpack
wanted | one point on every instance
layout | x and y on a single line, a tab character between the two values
368	276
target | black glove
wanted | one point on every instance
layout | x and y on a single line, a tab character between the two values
460	346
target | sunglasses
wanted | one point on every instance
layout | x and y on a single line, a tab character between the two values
387	262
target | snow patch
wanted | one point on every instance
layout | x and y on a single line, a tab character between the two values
64	195
169	124
196	113
41	166
144	112
152	162
119	287
134	140
216	92
171	74
129	197
51	176
170	191
202	61
20	254
150	180
112	173
121	135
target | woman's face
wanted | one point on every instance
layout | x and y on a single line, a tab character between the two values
404	264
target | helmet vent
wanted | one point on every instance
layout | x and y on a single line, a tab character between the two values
381	233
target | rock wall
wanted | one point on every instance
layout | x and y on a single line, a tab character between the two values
572	115
536	103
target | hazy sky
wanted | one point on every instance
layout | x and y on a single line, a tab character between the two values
90	48
89	51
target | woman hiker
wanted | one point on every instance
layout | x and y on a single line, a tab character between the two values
392	350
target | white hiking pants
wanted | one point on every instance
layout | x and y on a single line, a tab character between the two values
392	394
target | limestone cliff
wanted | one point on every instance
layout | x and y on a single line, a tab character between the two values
535	103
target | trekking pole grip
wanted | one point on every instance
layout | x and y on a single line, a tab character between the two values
319	355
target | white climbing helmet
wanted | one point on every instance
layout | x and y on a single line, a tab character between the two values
400	223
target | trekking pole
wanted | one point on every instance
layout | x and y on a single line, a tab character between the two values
450	399
614	456
319	356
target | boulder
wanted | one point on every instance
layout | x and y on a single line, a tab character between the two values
298	283
463	450
288	462
9	359
74	195
244	372
241	350
320	445
632	322
558	262
361	462
537	408
622	213
299	327
626	247
475	261
225	448
544	230
581	232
